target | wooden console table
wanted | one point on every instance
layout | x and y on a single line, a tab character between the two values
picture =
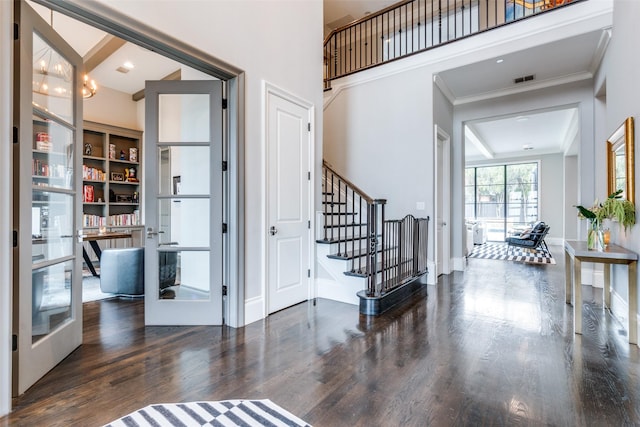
93	241
575	253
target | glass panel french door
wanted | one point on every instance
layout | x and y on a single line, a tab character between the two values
183	217
502	198
47	270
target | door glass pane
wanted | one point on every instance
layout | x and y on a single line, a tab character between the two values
53	78
184	222
51	226
490	197
184	170
183	118
52	162
184	275
51	298
522	190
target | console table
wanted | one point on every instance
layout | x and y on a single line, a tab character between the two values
575	253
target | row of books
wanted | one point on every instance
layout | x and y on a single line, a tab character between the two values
125	219
93	221
92	174
42	168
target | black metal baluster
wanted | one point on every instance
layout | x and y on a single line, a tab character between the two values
324	200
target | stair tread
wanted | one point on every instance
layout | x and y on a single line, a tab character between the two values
351	255
378	269
344	225
341	239
340	213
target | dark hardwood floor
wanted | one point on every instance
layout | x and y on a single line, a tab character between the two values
491	346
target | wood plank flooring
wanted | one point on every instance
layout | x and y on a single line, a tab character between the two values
491	346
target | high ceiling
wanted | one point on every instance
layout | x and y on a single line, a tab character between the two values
543	131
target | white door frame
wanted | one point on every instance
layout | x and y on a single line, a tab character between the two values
442	138
6	194
271	89
100	15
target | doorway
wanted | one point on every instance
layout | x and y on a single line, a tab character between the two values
94	15
443	202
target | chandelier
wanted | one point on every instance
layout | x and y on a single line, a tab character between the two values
53	73
89	87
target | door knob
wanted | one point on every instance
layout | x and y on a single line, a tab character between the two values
273	230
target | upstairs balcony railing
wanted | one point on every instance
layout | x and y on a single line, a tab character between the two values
414	26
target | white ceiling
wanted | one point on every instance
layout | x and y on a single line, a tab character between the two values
563	61
82	38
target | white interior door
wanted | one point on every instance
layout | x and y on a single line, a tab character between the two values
288	145
183	203
47	195
443	191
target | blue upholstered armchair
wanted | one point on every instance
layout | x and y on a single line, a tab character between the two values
122	271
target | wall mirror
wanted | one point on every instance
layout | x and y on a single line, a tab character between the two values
621	162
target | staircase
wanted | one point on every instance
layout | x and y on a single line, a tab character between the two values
362	255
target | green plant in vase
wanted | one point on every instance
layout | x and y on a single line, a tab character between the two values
614	208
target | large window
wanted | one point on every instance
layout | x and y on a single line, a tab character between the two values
503	197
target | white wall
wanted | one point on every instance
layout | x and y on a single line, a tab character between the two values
379	135
622	68
111	107
278	41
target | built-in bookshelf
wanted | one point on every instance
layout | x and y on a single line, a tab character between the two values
111	168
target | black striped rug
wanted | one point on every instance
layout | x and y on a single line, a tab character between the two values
250	413
501	251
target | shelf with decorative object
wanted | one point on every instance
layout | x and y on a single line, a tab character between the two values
110	169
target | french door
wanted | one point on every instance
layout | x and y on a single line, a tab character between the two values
47	255
183	203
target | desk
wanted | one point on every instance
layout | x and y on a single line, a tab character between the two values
575	253
93	241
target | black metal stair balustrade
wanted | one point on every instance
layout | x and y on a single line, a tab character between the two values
388	253
414	26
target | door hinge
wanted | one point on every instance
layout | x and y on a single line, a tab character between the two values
309	273
309	176
14	343
309	224
15	135
224	104
225	290
309	126
15	238
224	166
224	227
16	31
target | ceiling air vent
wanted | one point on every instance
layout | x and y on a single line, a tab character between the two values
524	79
122	70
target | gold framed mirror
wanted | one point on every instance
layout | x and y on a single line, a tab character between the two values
621	162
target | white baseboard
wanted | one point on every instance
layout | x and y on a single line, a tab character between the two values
254	310
459	264
431	274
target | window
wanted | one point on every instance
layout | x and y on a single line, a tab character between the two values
502	197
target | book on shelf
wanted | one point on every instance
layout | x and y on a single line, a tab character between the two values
88	193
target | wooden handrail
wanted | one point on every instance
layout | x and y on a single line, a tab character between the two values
355	188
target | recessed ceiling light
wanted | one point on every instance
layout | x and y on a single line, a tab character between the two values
128	65
500	61
527	147
522	118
